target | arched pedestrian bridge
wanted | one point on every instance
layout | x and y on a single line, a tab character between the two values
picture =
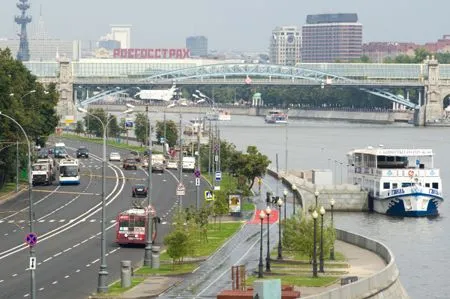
372	78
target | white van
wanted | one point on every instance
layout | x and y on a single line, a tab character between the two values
188	163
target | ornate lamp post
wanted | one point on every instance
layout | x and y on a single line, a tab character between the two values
280	248
268	212
294	197
316	194
322	213
285	193
332	202
315	215
262	215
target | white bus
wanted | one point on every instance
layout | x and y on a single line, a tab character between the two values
69	172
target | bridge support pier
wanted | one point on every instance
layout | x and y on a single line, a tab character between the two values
65	107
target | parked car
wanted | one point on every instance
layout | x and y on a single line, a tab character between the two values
82	152
129	164
139	190
114	157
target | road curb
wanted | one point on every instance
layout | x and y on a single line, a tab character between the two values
11	195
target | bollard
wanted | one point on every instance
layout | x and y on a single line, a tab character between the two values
125	274
155	257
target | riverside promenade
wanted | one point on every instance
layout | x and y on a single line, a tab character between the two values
214	274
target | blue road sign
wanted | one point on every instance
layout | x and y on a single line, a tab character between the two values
218	176
417	162
31	239
197	173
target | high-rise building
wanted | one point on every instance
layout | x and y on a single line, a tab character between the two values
331	38
122	34
285	45
197	46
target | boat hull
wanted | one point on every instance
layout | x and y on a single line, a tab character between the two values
408	205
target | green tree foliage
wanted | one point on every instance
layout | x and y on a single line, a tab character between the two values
171	132
298	235
177	245
35	112
250	165
93	125
141	126
79	129
114	129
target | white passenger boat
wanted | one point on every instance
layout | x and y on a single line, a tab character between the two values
400	182
276	117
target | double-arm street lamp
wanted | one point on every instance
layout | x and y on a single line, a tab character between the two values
262	215
322	213
332	202
103	273
315	215
30	201
268	212
280	248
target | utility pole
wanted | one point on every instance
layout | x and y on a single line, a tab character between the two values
17	166
198	169
165	133
149	234
210	146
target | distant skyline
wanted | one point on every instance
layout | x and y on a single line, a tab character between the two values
230	25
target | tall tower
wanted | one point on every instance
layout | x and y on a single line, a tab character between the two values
23	20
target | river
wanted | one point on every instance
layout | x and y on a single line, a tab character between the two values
421	245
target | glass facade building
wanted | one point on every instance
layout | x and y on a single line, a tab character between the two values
197	45
331	38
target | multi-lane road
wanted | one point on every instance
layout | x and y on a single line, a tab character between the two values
68	225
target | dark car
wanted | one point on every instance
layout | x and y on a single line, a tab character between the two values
139	190
82	152
129	163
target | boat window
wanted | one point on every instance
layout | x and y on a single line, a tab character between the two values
404	185
386	186
435	185
427	185
394	185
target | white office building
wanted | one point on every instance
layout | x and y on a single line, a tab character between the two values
122	34
285	45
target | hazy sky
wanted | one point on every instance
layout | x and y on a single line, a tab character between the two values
230	24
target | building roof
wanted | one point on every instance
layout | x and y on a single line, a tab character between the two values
394	152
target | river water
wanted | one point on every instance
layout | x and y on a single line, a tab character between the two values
421	245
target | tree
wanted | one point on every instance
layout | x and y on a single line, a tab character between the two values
177	245
298	235
171	132
141	126
251	165
79	127
113	127
93	126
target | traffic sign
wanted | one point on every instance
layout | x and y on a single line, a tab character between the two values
32	263
197	181
197	173
181	190
218	176
216	147
209	195
31	239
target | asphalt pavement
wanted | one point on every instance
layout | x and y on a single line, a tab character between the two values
68	225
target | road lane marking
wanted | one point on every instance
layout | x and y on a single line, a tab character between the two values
67	276
1	281
93	262
78	270
26	295
57	254
46	260
14	275
68	249
88	265
55	282
41	289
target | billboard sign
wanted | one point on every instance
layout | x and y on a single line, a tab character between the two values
151	53
129	124
234	203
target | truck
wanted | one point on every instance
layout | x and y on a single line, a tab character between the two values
158	162
42	173
188	164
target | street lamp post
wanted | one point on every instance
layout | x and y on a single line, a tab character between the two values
322	213
332	202
268	212
285	193
315	215
149	229
280	248
30	202
102	287
316	194
294	197
262	215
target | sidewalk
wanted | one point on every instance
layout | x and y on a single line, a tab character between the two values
214	275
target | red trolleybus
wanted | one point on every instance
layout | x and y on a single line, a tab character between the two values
131	226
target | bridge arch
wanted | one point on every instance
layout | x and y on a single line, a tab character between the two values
288	74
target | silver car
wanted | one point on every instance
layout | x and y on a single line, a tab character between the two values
114	157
